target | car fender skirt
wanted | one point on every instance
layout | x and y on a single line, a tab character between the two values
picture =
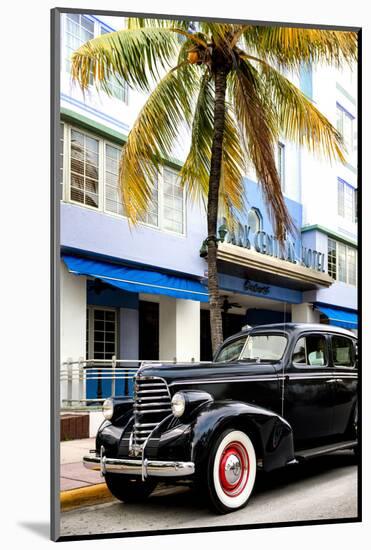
271	434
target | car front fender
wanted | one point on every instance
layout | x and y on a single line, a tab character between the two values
271	434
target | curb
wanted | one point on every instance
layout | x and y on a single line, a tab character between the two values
85	496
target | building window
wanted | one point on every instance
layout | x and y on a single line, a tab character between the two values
151	216
93	180
173	202
331	258
101	327
344	123
254	220
84	169
79	29
306	80
281	164
342	262
347	201
112	199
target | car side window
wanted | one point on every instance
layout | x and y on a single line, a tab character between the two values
343	353
310	350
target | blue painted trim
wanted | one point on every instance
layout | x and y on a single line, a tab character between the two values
347	183
91	110
345	110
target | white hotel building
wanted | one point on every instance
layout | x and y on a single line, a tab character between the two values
155	307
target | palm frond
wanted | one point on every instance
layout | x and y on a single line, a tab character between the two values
137	55
298	119
260	133
290	47
152	138
143	22
232	191
194	174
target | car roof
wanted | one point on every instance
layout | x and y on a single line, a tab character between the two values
293	328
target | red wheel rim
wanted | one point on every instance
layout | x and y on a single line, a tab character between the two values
234	469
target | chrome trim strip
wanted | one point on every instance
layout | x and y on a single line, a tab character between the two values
152	411
157	468
261	379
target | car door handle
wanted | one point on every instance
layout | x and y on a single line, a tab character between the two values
332	381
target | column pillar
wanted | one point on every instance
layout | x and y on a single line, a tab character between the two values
73	328
179	329
304	313
129	346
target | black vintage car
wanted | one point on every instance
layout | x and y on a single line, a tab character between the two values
273	395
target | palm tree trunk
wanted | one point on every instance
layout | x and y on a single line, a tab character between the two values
212	208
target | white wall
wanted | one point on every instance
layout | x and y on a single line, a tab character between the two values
304	313
73	323
179	329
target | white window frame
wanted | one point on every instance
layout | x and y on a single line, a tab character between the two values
281	164
346	247
97	31
90	336
102	181
340	127
342	210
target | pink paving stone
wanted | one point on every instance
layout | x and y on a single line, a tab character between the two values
68	484
78	472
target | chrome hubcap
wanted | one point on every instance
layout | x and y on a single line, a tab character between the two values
232	469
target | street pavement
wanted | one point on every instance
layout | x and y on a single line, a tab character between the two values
73	473
322	488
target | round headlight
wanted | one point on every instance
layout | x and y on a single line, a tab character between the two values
107	409
178	404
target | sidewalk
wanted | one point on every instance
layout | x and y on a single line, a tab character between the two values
73	474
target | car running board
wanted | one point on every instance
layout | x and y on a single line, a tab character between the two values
317	451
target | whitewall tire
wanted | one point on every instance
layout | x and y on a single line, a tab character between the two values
231	471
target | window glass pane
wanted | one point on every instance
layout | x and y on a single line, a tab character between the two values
231	352
79	29
342	351
342	264
104	334
265	347
331	259
311	350
173	215
352	266
299	356
340	198
84	168
348	202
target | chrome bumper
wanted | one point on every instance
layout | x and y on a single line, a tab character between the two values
144	468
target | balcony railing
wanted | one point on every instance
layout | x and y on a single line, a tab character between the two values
86	383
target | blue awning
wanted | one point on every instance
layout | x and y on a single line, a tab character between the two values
138	280
340	317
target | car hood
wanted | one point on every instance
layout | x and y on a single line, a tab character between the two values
207	371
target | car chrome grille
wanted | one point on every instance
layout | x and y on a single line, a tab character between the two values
152	404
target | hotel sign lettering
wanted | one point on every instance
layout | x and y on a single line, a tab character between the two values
265	243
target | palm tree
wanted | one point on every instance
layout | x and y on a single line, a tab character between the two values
224	82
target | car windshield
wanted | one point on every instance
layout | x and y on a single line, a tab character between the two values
263	347
231	351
